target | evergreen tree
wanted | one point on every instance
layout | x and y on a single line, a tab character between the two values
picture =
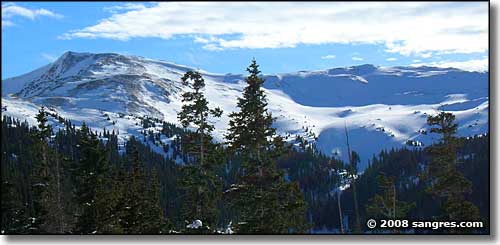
201	192
195	112
47	178
263	200
41	173
447	184
250	129
199	182
140	208
386	204
15	214
317	174
94	188
17	158
133	194
155	221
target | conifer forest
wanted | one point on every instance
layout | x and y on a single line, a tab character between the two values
62	177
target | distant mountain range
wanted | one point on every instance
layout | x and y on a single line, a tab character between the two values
382	107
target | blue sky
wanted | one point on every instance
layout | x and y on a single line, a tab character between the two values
223	38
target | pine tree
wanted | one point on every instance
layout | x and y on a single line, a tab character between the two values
264	202
94	188
201	193
250	129
15	214
48	206
200	184
154	217
386	204
195	112
41	174
140	211
447	184
17	158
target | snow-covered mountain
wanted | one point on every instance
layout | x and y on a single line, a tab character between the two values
381	107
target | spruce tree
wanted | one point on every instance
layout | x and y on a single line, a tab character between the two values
49	216
386	204
94	187
140	211
199	182
16	172
263	200
250	129
41	173
195	112
155	221
15	215
446	182
134	196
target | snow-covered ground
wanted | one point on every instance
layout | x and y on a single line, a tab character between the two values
381	107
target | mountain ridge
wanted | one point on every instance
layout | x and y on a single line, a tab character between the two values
383	107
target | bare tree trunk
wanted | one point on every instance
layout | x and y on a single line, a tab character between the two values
202	149
202	144
394	202
394	206
357	226
355	195
340	214
59	204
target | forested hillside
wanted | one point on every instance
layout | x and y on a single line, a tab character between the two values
75	180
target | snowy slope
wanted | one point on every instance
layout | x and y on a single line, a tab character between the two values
381	107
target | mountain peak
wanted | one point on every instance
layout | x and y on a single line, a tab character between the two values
72	55
388	103
365	67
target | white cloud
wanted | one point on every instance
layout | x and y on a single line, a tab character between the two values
328	57
48	57
469	65
127	6
425	55
391	59
405	28
357	58
7	23
10	10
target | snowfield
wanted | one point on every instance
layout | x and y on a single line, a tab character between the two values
381	107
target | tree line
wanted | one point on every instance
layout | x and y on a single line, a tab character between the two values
76	181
